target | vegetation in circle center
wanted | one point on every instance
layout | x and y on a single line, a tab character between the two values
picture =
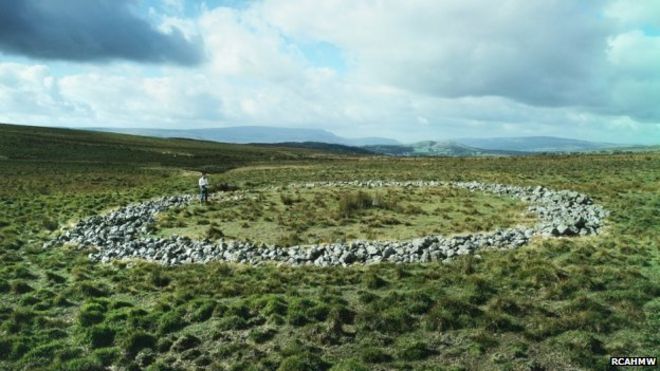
304	216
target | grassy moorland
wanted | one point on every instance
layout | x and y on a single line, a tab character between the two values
290	216
555	304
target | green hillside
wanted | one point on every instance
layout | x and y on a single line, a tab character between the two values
64	145
555	304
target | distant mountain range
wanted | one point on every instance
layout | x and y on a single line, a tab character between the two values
536	144
254	134
507	146
326	140
433	148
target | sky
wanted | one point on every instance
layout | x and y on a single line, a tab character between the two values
408	70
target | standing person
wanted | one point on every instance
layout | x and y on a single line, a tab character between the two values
203	188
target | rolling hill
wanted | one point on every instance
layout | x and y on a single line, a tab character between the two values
254	134
537	144
70	145
433	148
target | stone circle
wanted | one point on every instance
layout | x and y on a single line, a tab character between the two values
125	233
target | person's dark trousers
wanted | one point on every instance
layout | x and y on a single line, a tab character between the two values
203	195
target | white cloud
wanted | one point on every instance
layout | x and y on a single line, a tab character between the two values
415	70
634	13
168	101
29	92
635	54
460	48
240	44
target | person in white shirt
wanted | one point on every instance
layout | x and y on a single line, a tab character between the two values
203	189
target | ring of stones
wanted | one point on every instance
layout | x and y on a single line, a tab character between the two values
124	233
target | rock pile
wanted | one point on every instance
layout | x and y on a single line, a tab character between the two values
125	233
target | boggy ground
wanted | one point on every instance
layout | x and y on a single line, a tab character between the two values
292	216
564	303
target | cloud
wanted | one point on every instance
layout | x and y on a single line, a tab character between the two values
540	53
241	44
89	31
634	13
111	98
410	70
